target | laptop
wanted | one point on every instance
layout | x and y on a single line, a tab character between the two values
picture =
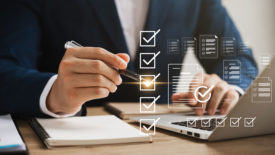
253	115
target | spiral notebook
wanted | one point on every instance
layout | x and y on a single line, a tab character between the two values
90	130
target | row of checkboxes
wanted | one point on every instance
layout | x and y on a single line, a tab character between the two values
148	82
220	122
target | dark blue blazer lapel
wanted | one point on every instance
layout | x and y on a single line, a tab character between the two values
108	16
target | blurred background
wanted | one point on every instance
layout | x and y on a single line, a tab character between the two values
255	20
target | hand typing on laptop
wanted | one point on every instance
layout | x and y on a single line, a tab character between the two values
221	95
85	74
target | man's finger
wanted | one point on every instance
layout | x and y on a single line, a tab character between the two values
218	94
97	53
85	66
230	100
124	56
92	80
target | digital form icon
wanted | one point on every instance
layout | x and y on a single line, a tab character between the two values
262	90
220	122
180	78
228	46
189	44
148	38
235	122
208	48
148	129
148	104
148	60
232	71
173	46
148	82
249	122
265	61
206	95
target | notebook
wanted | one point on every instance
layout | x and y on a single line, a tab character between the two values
10	139
133	109
90	130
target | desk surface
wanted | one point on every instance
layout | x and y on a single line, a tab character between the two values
164	142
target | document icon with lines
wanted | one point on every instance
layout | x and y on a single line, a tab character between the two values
180	81
232	71
262	90
228	46
208	47
173	46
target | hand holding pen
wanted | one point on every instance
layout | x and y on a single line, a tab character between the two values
85	73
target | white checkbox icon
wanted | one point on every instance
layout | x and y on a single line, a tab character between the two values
148	129
148	104
235	122
148	60
148	82
220	122
249	122
148	38
205	122
191	122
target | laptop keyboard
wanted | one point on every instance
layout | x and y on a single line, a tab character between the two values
205	124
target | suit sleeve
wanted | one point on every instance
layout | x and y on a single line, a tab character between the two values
214	19
21	84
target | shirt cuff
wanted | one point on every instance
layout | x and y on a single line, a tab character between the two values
238	89
44	96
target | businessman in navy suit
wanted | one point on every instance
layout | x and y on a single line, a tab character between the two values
38	77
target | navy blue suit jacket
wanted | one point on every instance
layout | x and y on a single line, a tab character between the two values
33	33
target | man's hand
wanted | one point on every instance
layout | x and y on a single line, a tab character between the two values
85	74
223	95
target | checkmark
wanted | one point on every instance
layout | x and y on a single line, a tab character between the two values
249	122
154	79
153	36
152	125
221	122
150	105
154	57
191	122
234	122
205	123
207	91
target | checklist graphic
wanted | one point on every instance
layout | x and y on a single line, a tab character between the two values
228	46
148	129
148	104
208	48
262	90
148	60
173	46
235	122
189	44
249	122
244	48
232	71
148	38
265	61
148	82
220	122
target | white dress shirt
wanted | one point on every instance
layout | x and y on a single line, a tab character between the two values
132	15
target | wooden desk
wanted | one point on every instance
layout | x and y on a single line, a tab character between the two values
165	142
